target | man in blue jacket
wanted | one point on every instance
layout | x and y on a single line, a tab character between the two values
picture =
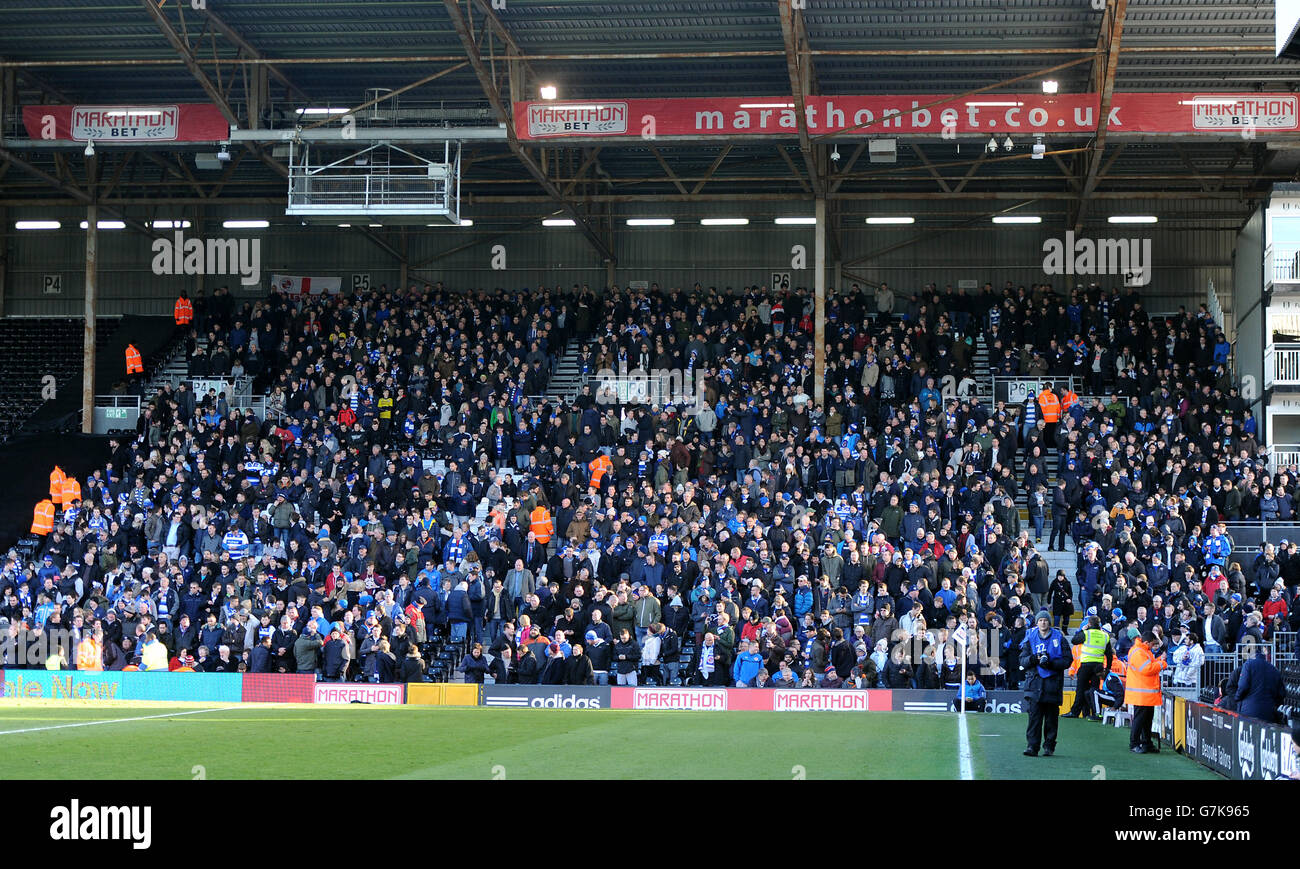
747	665
1044	656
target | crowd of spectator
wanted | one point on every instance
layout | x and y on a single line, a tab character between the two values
777	533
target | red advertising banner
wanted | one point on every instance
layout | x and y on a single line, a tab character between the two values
179	122
278	688
938	114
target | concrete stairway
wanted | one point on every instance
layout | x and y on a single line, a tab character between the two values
567	378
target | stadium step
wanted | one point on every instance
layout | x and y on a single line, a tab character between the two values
566	380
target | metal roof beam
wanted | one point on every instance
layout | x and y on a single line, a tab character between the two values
798	61
1103	78
506	116
231	34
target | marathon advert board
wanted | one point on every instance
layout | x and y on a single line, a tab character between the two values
360	692
911	114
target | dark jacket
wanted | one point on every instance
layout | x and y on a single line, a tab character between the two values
474	667
578	671
627	656
1050	688
412	669
1260	690
526	669
333	656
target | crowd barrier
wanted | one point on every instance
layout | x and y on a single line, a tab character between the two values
1232	745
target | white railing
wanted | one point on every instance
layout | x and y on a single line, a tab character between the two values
1282	264
1283	456
1214	306
1281	365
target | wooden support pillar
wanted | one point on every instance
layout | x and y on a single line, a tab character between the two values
88	335
819	315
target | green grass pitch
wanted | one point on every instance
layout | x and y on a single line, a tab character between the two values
425	742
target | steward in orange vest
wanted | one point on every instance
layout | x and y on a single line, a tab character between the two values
56	485
1050	406
1142	691
1068	400
43	517
598	467
71	491
540	523
134	364
183	311
90	654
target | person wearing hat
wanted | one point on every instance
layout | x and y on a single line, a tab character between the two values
1044	656
1142	688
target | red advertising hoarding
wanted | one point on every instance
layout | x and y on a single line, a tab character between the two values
177	122
937	114
278	688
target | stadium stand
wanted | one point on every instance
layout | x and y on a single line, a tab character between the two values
414	453
32	348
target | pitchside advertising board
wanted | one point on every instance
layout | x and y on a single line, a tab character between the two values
1237	747
733	699
377	694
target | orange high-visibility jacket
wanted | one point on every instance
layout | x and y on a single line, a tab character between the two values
43	517
1050	405
71	491
183	311
56	485
598	467
1068	400
1142	688
134	364
540	523
1074	664
90	656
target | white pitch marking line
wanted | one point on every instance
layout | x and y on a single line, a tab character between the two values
963	752
114	720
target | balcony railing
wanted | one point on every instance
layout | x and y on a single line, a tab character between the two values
1282	264
1282	456
1281	365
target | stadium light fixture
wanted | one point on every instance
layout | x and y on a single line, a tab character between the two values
1132	218
796	221
724	221
1050	86
105	224
320	110
885	221
1017	218
245	224
559	221
170	224
650	221
37	224
464	221
548	91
